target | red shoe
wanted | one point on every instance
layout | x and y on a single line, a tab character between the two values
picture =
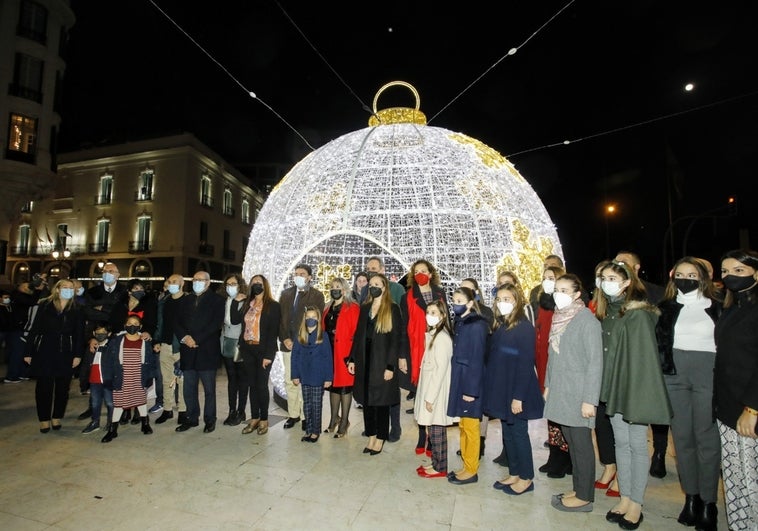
425	474
429	453
419	451
613	493
420	469
599	485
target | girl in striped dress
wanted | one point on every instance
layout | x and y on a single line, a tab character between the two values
129	366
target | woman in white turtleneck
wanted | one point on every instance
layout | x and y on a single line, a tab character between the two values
687	348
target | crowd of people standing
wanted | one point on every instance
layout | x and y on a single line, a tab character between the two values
616	362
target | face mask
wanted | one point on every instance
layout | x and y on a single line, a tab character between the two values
310	322
231	291
686	285
335	294
173	289
67	293
459	309
422	279
562	300
80	291
737	283
432	320
505	308
548	286
375	292
198	286
109	278
598	282
257	289
299	282
101	337
138	294
610	288
132	329
6	300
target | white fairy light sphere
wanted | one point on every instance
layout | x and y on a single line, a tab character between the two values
402	190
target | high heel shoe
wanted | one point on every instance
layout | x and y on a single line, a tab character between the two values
339	435
601	485
420	451
377	452
250	427
55	426
333	426
44	427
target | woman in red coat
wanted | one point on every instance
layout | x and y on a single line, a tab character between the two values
340	319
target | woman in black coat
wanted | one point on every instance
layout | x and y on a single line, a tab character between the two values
374	361
53	349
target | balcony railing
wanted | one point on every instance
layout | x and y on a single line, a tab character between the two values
246	220
206	249
142	195
230	254
229	211
14	89
20	251
139	246
103	199
97	248
206	201
29	33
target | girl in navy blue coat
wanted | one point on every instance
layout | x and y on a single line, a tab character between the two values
312	367
511	390
466	382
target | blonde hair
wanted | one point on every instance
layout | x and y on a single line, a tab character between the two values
384	315
302	335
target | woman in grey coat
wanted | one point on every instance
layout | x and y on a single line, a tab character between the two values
572	387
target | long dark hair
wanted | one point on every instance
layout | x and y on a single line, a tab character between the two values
635	291
705	284
444	323
744	256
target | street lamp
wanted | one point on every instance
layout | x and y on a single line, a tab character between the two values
60	256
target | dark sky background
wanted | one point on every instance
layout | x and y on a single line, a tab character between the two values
596	68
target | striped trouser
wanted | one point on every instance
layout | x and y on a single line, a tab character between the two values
312	404
739	456
438	440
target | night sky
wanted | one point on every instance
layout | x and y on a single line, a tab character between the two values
596	68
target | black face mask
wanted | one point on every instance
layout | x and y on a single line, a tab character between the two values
132	329
686	285
738	283
101	337
335	294
375	292
138	294
257	289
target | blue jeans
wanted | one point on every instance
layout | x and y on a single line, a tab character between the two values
191	380
519	448
97	395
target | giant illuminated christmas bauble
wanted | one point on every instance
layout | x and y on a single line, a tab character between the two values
402	190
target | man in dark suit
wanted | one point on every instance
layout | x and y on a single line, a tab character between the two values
198	327
660	431
293	302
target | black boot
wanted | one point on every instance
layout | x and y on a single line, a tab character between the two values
707	519
126	415
561	464
693	506
481	446
658	464
146	429
502	459
551	460
112	433
136	418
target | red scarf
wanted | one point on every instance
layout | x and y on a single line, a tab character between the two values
416	334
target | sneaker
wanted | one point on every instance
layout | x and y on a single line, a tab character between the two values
156	408
12	380
92	426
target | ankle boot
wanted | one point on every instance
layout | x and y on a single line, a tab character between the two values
658	464
146	429
136	418
481	446
561	464
112	433
126	416
551	460
693	506
707	519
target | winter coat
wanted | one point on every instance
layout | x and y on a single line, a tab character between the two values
54	340
372	358
112	364
413	310
312	363
347	320
633	383
269	325
467	366
434	382
200	317
575	372
511	375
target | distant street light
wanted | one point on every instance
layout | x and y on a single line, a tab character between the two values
60	256
689	87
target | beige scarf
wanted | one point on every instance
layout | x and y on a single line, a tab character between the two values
561	319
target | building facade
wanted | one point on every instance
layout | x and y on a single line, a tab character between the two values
154	207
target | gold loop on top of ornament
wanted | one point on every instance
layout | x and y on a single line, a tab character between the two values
397	115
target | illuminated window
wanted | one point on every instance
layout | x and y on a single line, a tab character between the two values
106	189
245	212
143	232
228	209
205	191
62	237
145	191
27	207
22	136
103	231
24	233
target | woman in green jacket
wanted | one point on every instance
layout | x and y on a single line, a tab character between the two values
632	386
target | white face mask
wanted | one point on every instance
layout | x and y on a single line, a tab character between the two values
231	291
505	308
299	282
548	286
562	300
432	320
610	288
598	282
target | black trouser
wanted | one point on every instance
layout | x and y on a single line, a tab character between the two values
51	393
606	442
257	379
660	437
